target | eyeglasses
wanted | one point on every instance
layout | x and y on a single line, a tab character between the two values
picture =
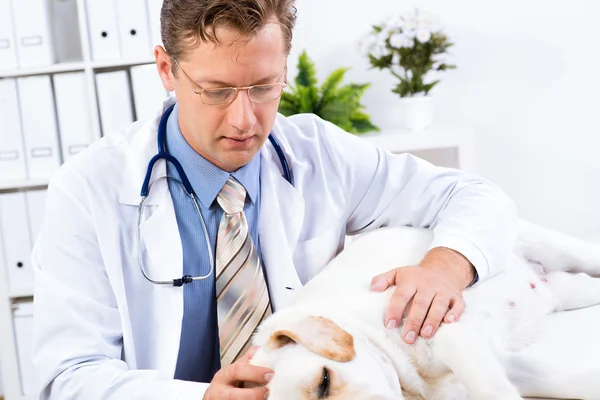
226	95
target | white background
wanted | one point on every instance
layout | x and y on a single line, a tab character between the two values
527	82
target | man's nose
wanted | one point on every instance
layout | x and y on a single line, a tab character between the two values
241	112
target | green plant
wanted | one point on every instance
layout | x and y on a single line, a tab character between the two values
410	46
331	101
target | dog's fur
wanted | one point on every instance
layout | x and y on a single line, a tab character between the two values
331	341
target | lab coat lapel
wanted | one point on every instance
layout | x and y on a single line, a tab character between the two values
281	217
161	246
162	252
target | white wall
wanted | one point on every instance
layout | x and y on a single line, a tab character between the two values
528	82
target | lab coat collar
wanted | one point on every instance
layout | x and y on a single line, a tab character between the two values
280	222
142	147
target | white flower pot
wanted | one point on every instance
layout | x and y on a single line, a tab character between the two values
416	113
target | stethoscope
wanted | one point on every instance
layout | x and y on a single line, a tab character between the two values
185	184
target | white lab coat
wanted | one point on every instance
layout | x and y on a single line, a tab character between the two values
102	332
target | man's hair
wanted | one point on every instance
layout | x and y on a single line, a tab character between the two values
186	23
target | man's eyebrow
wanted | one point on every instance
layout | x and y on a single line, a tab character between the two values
210	83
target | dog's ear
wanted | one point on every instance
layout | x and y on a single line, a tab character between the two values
319	335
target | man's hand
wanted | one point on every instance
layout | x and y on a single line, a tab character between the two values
434	287
226	384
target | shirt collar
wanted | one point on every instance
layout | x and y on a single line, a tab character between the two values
206	179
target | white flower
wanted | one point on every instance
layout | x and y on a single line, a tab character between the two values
409	14
395	23
423	35
440	58
367	44
381	37
396	59
379	51
397	40
410	34
427	20
409	24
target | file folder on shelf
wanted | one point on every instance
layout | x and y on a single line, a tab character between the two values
74	116
148	90
12	151
39	126
15	241
23	330
8	50
114	101
133	29
103	29
154	8
66	35
36	206
32	32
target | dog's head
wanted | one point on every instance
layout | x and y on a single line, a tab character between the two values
314	358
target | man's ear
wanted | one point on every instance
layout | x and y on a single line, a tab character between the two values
164	67
319	335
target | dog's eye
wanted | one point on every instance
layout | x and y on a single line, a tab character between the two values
324	384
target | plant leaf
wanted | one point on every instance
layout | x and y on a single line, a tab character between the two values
307	74
429	86
331	84
335	103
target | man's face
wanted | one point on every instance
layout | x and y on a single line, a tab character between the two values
229	136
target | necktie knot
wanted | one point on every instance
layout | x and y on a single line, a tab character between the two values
232	197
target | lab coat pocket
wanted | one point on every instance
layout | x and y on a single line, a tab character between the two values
312	255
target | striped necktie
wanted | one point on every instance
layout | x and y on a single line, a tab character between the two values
242	296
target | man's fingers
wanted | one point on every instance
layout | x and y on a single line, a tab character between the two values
416	316
457	307
437	311
222	392
398	303
383	281
243	372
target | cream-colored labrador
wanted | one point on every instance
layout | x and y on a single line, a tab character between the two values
331	343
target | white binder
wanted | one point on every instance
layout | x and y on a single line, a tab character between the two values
16	242
133	29
74	116
12	152
154	7
103	30
23	330
36	206
148	91
32	31
114	101
39	126
66	31
8	50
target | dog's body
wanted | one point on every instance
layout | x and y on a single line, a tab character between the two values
331	341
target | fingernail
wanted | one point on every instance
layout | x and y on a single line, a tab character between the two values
378	286
428	330
410	336
267	395
392	324
268	376
451	318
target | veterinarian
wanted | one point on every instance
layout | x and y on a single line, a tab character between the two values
146	286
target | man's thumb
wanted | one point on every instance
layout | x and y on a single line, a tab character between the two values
383	281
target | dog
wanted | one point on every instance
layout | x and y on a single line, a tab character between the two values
331	343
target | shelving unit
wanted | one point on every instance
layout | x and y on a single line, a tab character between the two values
9	361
